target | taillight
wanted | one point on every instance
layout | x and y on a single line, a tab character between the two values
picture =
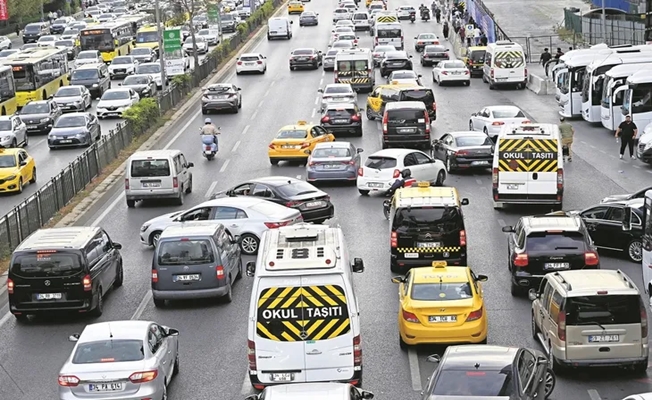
10	286
271	146
461	153
427	119
397	174
526	72
462	238
385	121
275	225
560	179
292	204
491	72
239	62
355	118
434	106
357	352
521	260
251	354
393	240
527	121
144	376
259	62
312	164
219	272
494	178
591	258
325	119
419	42
444	72
350	162
409	317
154	276
474	315
175	183
561	325
126	184
208	148
68	380
497	123
87	282
643	321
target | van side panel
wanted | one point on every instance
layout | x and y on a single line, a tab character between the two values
512	170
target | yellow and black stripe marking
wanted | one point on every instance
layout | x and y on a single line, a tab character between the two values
509	59
528	155
294	314
443	249
354	80
386	18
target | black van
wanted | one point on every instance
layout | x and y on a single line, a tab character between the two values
63	269
406	124
95	77
422	94
196	260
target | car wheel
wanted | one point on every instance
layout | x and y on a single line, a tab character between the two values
119	277
240	268
449	165
159	303
237	72
179	201
14	143
535	329
370	117
441	177
401	343
20	185
635	251
363	192
99	308
131	203
26	141
486	132
273	161
21	318
204	111
240	103
515	290
177	364
551	380
189	188
228	297
33	180
471	125
154	238
249	244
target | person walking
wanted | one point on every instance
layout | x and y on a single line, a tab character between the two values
17	30
543	60
477	34
445	30
627	131
438	15
567	132
559	53
483	40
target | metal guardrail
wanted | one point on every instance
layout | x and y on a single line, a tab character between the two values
38	209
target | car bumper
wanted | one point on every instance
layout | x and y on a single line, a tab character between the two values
373	185
190	294
30	39
150	194
399	141
329	65
118	75
71	107
348	174
39	129
644	155
455	78
409	260
604	362
80	305
304	64
9	186
6	143
460	162
70	142
250	68
345	128
470	332
149	390
361	27
296	11
102	113
525	198
318	214
309	23
385	72
227	105
228	28
355	379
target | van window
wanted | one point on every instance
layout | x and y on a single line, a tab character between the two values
47	263
603	310
477	56
423	95
150	168
441	291
388	33
185	252
380	162
108	351
547	241
415	217
402	117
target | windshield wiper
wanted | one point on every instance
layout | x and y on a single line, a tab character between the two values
566	248
592	323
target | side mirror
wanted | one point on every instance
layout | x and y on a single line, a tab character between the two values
359	150
239	89
410	56
74	337
358	265
474	114
190	165
415	37
251	268
117	246
17	112
119	84
508	229
398	279
465	201
627	219
366	395
419	76
435	358
448	49
482	278
291	22
532	294
252	397
320	90
308	151
173	332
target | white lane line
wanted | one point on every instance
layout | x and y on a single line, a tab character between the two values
246	128
39	142
109	209
272	84
316	100
323	73
246	385
210	190
649	171
142	305
636	166
313	113
6	318
603	152
254	115
321	82
478	181
226	164
261	103
501	222
266	93
592	146
414	369
235	146
593	394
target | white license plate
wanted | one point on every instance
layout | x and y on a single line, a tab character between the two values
48	296
428	245
187	278
411	255
480	163
314	204
106	387
375	185
287	146
32	126
604	338
512	187
65	141
501	79
331	166
151	185
272	32
406	130
549	266
341	121
442	318
249	64
281	377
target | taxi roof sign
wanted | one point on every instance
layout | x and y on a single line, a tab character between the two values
439	264
302	123
424	184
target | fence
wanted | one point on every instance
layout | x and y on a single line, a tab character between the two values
619	29
38	209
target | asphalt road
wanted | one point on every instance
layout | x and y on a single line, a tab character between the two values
51	163
213	349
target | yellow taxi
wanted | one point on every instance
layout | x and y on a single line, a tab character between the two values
441	304
295	7
296	142
17	168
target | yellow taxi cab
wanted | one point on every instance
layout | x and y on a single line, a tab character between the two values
441	304
295	7
17	168
473	57
383	94
296	142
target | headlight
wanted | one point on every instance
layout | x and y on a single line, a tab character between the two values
95	85
648	145
82	134
144	228
10	178
44	120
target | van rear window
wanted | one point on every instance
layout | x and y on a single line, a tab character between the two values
150	168
388	33
46	264
185	252
402	117
603	310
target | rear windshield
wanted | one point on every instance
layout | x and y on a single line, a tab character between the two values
508	114
305	52
402	117
447	218
147	168
296	189
249	58
55	263
341	112
185	252
474	383
603	310
441	291
380	162
107	351
332	152
388	33
473	141
424	95
477	56
549	241
292	134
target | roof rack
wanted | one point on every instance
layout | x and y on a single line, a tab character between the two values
626	279
563	281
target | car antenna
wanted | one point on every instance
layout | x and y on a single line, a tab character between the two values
110	331
477	365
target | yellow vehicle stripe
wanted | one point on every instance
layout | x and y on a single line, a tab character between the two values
509	59
261	328
528	155
450	249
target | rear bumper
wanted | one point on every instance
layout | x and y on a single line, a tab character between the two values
470	332
44	307
355	380
426	259
167	194
317	215
605	362
190	294
553	199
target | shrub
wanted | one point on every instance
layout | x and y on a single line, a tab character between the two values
142	114
243	29
223	49
182	80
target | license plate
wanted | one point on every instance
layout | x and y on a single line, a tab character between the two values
106	387
512	187
32	126
501	79
48	296
314	204
375	185
604	338
281	377
187	278
406	130
456	72
151	185
480	163
341	121
331	166
411	255
428	245
442	318
287	146
249	63
548	266
272	32
397	64
65	141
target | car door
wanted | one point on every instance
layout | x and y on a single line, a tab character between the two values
410	162
611	230
95	123
356	155
265	192
112	258
160	349
480	120
544	317
198	214
98	262
23	165
184	172
427	167
234	219
525	374
321	135
596	222
86	97
19	129
229	251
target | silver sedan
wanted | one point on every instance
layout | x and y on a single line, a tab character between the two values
129	360
13	132
333	161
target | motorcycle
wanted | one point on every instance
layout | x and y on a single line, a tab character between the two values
209	146
425	16
413	17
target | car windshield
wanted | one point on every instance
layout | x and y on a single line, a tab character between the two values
477	55
84	55
402	117
219	89
7	53
447	218
122	60
204	32
84	74
141	51
64	43
41	264
116	95
465	141
302	52
376	162
149	69
68	92
41	108
184	252
435	49
441	291
32	28
341	112
331	53
603	310
5	126
423	95
331	152
149	167
71	31
70	121
474	383
296	188
508	113
427	36
60	21
292	134
108	351
7	161
551	242
135	80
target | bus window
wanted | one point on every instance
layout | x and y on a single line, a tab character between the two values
642	98
24	77
147	37
627	102
7	88
101	40
389	33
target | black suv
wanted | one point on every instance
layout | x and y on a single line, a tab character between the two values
547	243
63	269
39	115
342	118
395	61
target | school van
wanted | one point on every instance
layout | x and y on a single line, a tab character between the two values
361	21
504	65
304	323
528	166
389	33
278	28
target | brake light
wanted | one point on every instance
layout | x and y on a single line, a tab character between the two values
643	321
239	62
271	146
251	354
355	118
350	162
491	72
409	317
325	119
393	240
219	272
259	62
494	178
360	171
561	325
144	376
521	260
274	225
385	121
127	184
396	174
175	183
434	106
527	121
208	148
312	164
462	238
305	145
154	276
526	72
419	42
444	72
591	258
87	282
475	315
68	380
461	153
497	123
560	179
292	204
427	118
10	286
357	352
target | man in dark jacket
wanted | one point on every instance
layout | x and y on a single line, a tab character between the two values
543	60
627	131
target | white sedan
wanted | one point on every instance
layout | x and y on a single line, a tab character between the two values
451	72
122	66
348	36
250	62
343	23
343	44
337	93
340	14
490	120
13	132
5	43
382	168
212	36
403	12
404	76
201	45
247	217
116	101
47	40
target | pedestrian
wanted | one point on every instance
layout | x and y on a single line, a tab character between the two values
477	34
567	132
559	53
438	15
543	60
445	30
627	132
462	33
484	40
17	30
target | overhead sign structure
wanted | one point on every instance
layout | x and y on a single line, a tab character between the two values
171	40
213	13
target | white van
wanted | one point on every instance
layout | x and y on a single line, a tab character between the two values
361	21
304	323
528	166
504	64
157	174
390	33
279	27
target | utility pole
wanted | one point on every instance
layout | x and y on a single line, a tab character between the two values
604	23
161	52
42	12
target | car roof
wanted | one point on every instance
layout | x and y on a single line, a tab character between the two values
116	90
74	114
487	356
439	274
116	330
249	55
279	180
39	101
240	201
9	150
88	66
393	153
333	145
503	108
579	282
542	223
399	105
335	85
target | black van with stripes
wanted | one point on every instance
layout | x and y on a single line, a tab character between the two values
304	321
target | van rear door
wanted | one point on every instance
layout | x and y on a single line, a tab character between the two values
543	166
509	66
150	175
512	169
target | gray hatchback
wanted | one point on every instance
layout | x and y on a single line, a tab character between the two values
221	96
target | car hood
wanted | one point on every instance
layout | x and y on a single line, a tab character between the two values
113	103
163	219
338	97
68	131
33	118
4	133
67	100
6	172
615	197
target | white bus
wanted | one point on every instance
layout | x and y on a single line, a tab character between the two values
610	111
389	33
592	86
647	242
569	83
558	71
637	100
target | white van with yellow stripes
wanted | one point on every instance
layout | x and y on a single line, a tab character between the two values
528	166
355	67
504	65
389	33
304	322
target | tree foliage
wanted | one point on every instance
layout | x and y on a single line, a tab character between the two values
141	114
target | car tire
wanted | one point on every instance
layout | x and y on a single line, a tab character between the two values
467	83
240	104
635	251
204	111
449	166
273	161
14	143
240	274
404	346
358	132
441	177
26	141
177	364
20	185
237	72
370	117
33	180
515	290
535	329
249	244
99	308
228	297
471	125
119	277
551	381
131	203
179	201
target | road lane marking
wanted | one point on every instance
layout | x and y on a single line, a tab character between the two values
321	82
246	128
501	222
478	181
5	319
414	369
142	305
266	93
254	115
323	72
261	103
246	385
226	164
316	100
182	130
40	142
210	189
235	146
298	176
272	84
313	113
593	394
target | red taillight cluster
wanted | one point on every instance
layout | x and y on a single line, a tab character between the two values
208	148
292	203
154	276
497	123
521	260
410	317
444	72
175	183
144	376
467	72
397	174
475	315
357	352
462	238
591	258
68	380
356	118
126	184
251	354
560	179
385	121
275	225
239	62
494	178
10	286
271	146
561	325
325	119
360	171
491	72
259	62
393	240
219	272
643	321
87	283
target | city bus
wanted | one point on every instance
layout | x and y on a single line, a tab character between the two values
637	99
8	103
610	108
38	73
147	36
137	21
112	39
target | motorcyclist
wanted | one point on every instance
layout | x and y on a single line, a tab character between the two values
404	180
210	129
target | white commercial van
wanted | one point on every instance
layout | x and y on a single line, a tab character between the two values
304	322
389	33
361	21
278	28
504	65
528	166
